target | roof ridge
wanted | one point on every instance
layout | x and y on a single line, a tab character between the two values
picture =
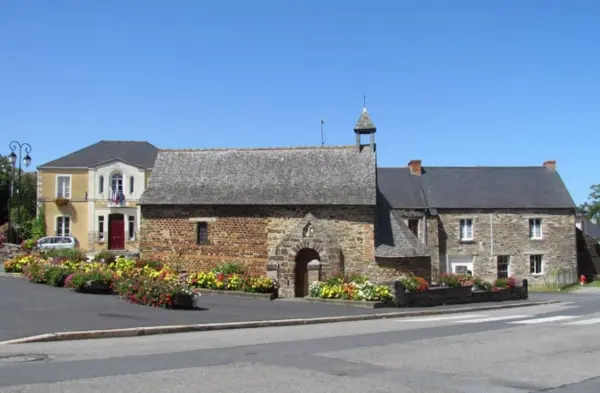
339	147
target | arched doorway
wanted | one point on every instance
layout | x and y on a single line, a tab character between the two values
303	257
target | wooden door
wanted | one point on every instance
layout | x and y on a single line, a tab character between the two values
116	232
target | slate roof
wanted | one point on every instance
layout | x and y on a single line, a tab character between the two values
137	153
475	188
263	176
365	123
393	238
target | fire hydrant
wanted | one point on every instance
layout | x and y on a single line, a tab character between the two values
582	280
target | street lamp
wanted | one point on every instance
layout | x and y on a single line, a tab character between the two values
12	158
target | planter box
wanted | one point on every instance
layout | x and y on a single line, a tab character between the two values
96	287
255	295
436	296
183	302
353	303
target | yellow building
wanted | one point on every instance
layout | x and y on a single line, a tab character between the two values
92	193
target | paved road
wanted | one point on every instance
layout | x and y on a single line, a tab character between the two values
552	348
28	309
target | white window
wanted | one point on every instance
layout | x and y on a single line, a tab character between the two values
101	227
535	264
63	226
131	184
63	186
131	227
101	184
466	229
535	228
116	182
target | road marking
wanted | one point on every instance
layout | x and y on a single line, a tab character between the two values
492	319
444	318
584	322
544	320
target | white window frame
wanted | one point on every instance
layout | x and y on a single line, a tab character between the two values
131	184
101	235
69	188
535	273
532	227
101	184
462	236
130	220
116	189
63	216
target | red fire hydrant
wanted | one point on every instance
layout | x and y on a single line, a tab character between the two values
582	280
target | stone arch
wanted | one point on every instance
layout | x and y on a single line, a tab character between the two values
325	245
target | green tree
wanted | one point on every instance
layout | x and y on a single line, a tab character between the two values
591	208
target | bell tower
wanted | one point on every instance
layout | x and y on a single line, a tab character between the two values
365	126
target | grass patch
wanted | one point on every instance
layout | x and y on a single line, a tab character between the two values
594	284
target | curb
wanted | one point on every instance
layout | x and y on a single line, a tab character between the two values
153	330
253	295
4	274
342	302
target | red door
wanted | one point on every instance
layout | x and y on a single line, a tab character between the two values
116	232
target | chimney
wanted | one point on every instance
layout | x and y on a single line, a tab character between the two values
550	165
415	167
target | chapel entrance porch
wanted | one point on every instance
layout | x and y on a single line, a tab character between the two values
301	275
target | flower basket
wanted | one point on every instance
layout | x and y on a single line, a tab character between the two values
61	201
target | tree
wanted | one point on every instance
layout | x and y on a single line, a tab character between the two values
591	208
27	192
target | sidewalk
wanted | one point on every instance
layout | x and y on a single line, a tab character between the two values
29	309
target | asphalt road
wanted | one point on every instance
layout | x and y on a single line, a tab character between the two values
552	348
28	309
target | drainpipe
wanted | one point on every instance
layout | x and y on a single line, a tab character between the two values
491	237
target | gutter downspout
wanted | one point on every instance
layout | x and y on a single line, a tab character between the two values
491	237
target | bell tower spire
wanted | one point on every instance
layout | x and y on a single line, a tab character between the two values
365	126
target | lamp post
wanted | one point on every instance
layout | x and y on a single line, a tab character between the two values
13	157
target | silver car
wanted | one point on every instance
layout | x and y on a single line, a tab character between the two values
57	242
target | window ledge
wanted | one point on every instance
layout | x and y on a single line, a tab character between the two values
536	239
467	241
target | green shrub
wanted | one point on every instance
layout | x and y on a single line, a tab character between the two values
78	280
55	275
107	256
228	268
69	254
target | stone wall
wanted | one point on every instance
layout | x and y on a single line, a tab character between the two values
389	269
588	255
250	235
8	251
505	232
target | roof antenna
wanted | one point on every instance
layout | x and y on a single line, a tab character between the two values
322	139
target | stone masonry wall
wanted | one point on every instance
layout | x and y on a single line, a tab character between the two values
510	234
248	235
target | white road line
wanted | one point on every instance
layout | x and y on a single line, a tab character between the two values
492	319
584	322
444	318
544	320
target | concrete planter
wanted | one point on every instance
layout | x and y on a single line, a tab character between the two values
436	296
254	295
183	302
353	303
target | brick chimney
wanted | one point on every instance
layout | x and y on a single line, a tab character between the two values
415	167
550	165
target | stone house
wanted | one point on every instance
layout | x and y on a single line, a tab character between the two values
306	213
490	221
588	247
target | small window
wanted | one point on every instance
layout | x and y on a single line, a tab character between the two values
202	233
535	228
116	182
466	229
101	227
63	186
535	264
131	184
101	184
131	227
63	226
413	225
502	265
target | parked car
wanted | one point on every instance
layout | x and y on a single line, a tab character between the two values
57	242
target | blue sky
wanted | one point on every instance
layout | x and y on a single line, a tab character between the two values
454	83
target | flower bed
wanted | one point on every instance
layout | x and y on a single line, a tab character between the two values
412	291
227	278
350	288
